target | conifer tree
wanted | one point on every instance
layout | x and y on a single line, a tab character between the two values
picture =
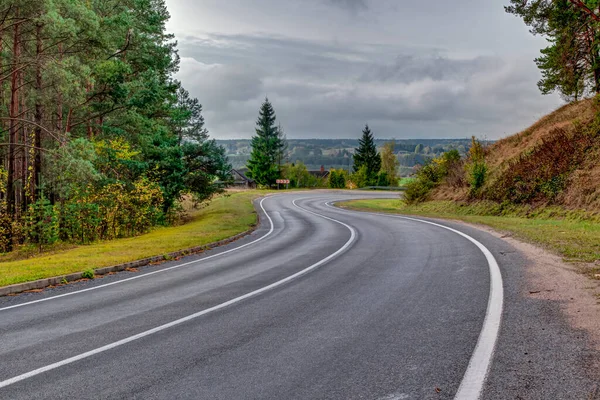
91	110
366	155
571	64
267	147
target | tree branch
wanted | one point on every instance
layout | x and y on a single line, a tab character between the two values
34	124
23	145
127	43
581	5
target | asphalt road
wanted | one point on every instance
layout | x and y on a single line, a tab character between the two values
318	303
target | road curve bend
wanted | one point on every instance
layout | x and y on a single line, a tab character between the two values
318	303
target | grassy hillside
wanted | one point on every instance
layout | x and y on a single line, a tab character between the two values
554	162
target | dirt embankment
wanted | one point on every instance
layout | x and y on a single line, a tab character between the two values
555	161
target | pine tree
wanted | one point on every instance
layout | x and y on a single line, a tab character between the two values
268	146
571	64
366	155
90	107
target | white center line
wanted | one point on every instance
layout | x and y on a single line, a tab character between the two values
160	271
180	321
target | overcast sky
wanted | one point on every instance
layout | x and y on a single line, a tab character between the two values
411	69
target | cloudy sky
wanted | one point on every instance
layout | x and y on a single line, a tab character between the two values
411	69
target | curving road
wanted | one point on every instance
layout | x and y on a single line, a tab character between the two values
318	303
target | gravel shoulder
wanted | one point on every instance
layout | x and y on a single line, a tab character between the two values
549	346
550	278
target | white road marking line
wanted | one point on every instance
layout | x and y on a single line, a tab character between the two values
160	271
474	378
180	321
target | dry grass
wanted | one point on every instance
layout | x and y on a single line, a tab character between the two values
555	161
563	118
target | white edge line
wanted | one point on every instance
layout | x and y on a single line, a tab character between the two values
180	321
153	272
476	374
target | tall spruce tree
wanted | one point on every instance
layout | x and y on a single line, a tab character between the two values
267	147
366	155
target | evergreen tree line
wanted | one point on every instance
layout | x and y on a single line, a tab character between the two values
268	155
570	65
97	139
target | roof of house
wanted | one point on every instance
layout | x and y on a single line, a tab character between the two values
319	173
239	174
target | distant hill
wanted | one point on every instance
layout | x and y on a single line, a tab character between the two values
337	153
555	161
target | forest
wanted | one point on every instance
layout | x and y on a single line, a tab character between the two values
338	153
98	140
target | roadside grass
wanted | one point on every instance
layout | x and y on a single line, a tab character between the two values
224	217
405	181
572	234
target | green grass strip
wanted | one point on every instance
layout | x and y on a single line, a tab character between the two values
574	235
224	217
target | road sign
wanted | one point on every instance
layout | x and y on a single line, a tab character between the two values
283	181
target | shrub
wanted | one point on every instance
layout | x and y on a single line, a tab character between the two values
6	232
477	176
41	223
111	211
337	179
383	179
360	178
476	167
88	274
429	176
417	191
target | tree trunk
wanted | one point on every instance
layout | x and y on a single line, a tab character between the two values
12	130
39	115
23	153
59	102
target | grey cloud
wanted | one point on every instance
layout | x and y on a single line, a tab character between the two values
220	84
410	68
330	89
350	4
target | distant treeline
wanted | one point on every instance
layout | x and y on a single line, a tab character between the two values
337	153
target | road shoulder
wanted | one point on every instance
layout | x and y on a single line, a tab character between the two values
549	343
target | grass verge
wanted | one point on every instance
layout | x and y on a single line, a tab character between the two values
405	181
224	217
574	235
